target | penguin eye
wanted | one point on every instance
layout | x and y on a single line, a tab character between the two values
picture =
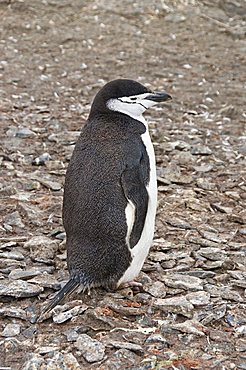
133	99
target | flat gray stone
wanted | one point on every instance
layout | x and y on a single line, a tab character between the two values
42	248
198	298
178	305
156	289
17	313
34	362
14	219
11	330
214	254
92	350
189	327
19	289
127	345
185	282
28	274
66	361
67	315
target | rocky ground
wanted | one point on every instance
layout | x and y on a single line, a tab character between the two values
54	56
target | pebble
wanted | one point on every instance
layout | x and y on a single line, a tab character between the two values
190	327
32	272
200	150
179	281
127	345
122	359
42	248
178	305
202	274
14	219
42	159
225	292
205	184
46	281
52	185
11	330
214	254
200	298
67	315
17	313
66	361
19	289
15	255
92	350
46	349
71	334
34	362
156	289
24	133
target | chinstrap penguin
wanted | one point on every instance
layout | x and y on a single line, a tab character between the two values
110	193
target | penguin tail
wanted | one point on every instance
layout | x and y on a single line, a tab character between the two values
65	292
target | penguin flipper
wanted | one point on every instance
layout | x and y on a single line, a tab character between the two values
68	289
134	189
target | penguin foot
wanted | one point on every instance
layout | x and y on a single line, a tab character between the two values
134	285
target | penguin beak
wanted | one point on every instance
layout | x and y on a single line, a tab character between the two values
158	97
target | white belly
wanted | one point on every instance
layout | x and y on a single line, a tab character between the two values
141	249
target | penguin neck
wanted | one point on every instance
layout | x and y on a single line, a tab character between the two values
139	118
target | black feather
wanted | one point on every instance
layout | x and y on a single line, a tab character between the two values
68	289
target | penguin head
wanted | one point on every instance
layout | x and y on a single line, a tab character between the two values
126	96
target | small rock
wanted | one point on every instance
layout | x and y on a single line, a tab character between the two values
17	313
241	330
64	316
41	160
198	298
46	281
156	289
215	313
53	185
11	330
46	349
24	132
92	350
15	255
203	168
213	254
201	150
212	236
219	336
42	248
180	224
178	305
127	345
65	361
183	282
168	264
19	289
14	219
189	327
34	362
175	17
220	208
71	334
27	274
124	310
223	292
205	184
122	359
202	274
